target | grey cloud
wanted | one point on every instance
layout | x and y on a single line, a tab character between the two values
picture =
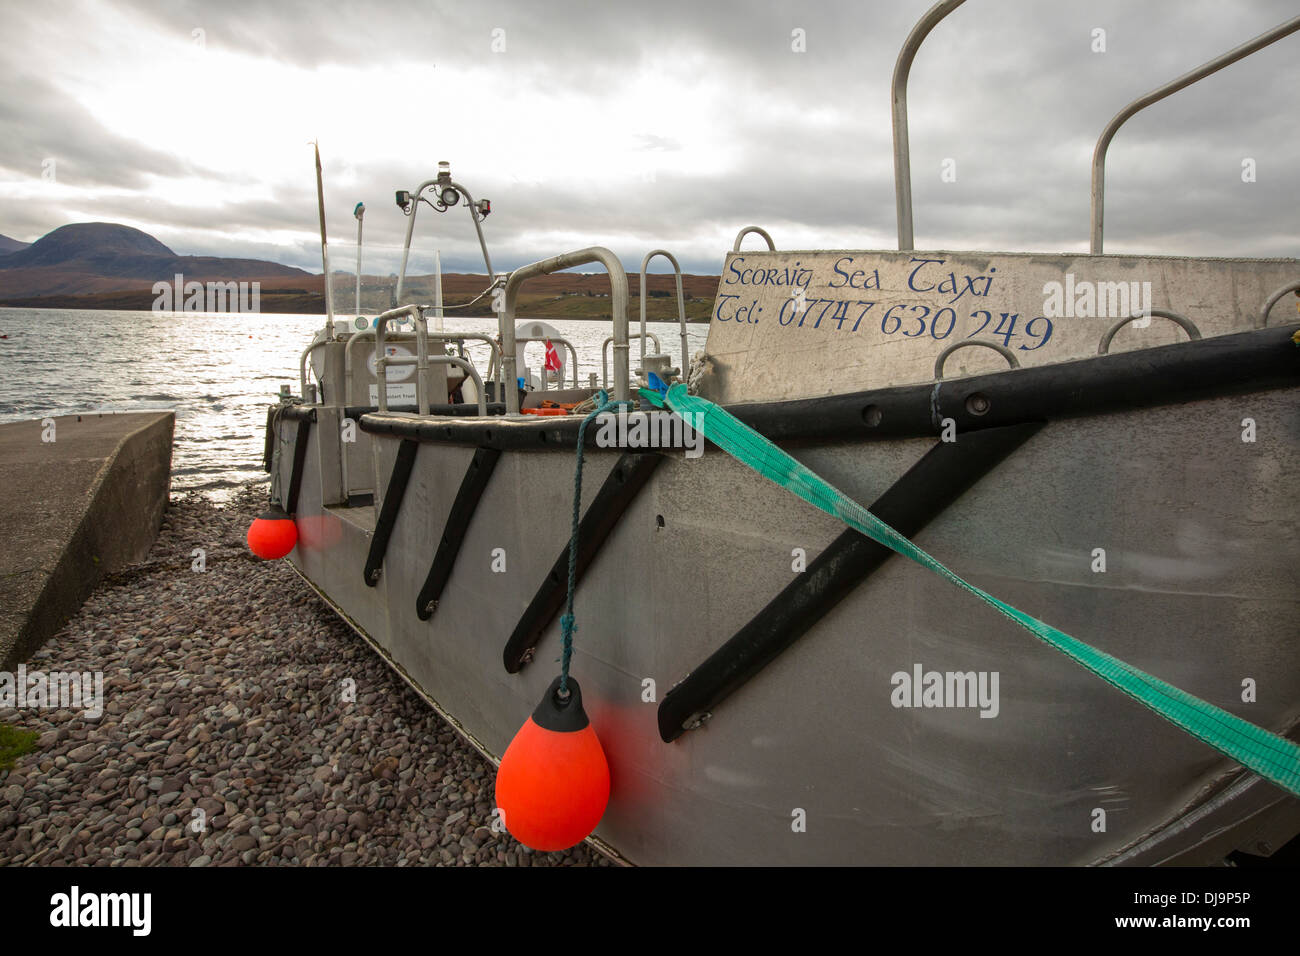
1009	89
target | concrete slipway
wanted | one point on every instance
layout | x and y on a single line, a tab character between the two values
85	504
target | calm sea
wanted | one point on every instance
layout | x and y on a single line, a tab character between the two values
218	372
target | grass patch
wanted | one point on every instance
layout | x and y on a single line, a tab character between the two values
14	743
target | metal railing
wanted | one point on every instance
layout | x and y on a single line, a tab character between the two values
573	355
1273	300
898	93
349	390
681	303
740	237
459	338
604	356
421	360
902	156
470	371
1159	93
1186	324
618	299
302	369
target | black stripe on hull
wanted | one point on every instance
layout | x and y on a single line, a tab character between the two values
476	479
397	483
938	479
299	463
619	490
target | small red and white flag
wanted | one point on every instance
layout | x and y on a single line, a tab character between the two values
552	358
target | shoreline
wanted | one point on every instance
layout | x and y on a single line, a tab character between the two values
226	736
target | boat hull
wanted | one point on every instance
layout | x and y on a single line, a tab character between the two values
1159	534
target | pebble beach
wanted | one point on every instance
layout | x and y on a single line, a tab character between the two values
222	695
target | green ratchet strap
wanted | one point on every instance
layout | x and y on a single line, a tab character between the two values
1271	756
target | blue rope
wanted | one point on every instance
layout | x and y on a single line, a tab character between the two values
567	625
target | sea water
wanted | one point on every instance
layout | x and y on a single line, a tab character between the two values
217	371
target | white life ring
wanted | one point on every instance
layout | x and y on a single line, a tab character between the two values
537	329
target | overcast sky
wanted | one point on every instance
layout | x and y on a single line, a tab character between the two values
666	124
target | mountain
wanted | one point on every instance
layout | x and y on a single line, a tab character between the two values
8	245
96	257
89	243
104	265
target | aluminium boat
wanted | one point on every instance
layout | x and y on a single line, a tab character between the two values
771	687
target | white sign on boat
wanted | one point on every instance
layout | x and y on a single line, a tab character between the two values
801	324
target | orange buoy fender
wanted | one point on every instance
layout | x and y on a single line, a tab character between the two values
553	782
272	534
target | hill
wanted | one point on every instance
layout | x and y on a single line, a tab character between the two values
97	257
562	295
8	245
103	265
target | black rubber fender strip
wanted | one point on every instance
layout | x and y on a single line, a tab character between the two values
268	446
937	480
628	476
1240	363
298	413
460	410
299	461
397	482
472	486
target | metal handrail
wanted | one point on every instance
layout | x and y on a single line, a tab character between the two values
604	356
421	357
456	360
461	338
302	367
349	392
1273	300
740	237
1159	93
618	299
898	91
573	354
681	302
1002	350
367	334
1187	325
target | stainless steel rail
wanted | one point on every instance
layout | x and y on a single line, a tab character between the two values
1142	102
1187	325
471	371
740	237
302	368
1273	300
443	360
349	392
681	304
421	357
368	334
898	91
1002	350
573	355
604	356
618	300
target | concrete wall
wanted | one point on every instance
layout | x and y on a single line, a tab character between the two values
84	505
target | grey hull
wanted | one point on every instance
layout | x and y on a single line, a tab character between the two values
1198	529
